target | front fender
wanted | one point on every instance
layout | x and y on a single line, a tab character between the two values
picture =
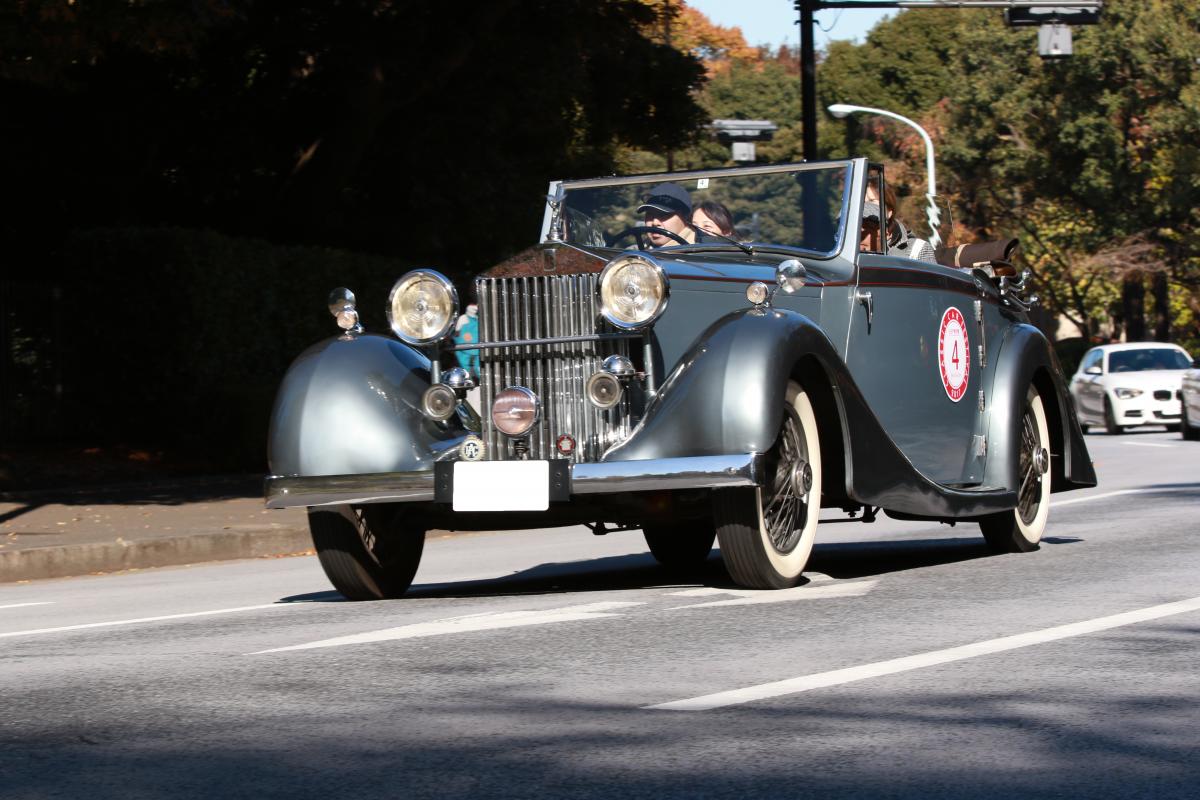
1026	358
726	394
351	405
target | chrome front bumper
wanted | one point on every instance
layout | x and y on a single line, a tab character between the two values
606	477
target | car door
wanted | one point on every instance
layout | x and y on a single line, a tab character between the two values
912	349
1086	385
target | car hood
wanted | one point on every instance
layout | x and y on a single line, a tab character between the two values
555	258
1146	379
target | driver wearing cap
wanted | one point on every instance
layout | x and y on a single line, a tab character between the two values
669	207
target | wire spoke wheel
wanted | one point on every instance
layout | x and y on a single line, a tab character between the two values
785	505
1032	474
1020	530
767	533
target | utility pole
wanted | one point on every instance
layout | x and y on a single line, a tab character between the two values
1022	12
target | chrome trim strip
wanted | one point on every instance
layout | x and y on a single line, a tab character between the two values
679	177
592	337
331	490
607	477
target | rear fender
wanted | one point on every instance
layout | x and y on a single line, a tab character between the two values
351	405
1026	358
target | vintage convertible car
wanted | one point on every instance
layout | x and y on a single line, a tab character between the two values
729	388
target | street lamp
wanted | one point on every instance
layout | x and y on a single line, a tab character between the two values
841	110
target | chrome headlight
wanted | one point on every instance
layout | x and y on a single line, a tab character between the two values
422	307
633	291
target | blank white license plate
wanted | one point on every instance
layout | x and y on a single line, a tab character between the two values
501	485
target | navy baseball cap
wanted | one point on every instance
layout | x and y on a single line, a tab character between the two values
670	198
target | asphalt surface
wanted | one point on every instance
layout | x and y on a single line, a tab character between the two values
555	663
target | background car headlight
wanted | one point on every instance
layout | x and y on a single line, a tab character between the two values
422	307
633	291
1127	394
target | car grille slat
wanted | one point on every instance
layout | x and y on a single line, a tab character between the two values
538	308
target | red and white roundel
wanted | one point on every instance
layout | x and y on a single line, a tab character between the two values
954	354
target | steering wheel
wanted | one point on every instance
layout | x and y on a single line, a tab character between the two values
641	230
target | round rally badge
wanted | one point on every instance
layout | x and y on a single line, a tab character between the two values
471	448
954	354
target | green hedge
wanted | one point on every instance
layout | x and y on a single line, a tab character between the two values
180	337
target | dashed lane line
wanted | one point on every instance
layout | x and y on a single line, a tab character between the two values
115	623
1145	444
1102	496
474	622
821	680
745	597
27	605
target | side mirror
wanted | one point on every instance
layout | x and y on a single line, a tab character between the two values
1093	370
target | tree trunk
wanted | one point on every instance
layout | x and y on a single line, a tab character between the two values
1133	307
1162	308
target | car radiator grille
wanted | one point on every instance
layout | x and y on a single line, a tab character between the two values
543	307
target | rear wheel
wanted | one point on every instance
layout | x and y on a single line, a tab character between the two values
1020	530
767	533
680	546
367	552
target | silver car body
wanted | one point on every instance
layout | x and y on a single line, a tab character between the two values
864	335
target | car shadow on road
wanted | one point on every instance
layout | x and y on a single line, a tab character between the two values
641	571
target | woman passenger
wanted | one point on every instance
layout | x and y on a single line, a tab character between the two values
713	217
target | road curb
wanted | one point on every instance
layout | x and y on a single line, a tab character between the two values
66	561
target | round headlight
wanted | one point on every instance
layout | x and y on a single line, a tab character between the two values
422	307
515	410
633	291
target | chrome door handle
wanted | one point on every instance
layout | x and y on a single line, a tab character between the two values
867	300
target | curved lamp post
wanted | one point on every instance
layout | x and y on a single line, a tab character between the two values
841	110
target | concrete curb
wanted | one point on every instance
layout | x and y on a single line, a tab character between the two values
67	561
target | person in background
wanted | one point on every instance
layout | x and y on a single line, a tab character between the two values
900	240
669	207
466	331
713	217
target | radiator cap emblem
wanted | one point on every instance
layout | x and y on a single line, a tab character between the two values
471	449
565	444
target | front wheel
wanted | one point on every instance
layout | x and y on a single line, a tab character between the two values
1110	420
1020	530
367	552
767	534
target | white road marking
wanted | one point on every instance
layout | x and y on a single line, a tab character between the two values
26	605
1145	444
759	596
877	669
1165	489
114	623
474	622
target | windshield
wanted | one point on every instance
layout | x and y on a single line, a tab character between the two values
796	207
1148	359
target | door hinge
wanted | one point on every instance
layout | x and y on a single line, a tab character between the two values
980	446
982	401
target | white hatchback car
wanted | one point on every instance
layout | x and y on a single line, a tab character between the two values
1124	385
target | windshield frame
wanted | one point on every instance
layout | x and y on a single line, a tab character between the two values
558	190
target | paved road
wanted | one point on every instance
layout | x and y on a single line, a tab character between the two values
554	663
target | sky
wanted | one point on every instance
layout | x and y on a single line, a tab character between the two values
773	22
